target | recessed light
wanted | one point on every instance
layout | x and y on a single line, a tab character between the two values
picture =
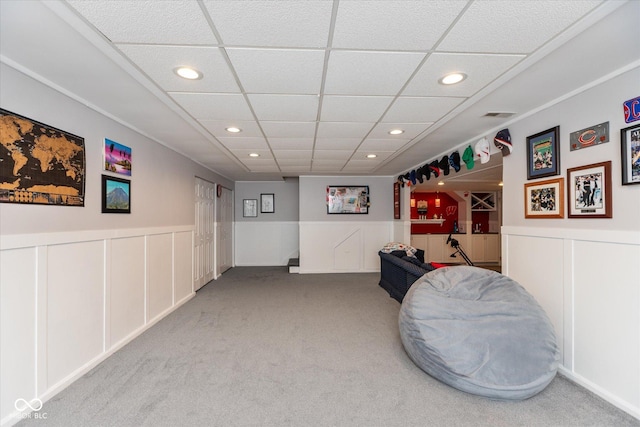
254	155
452	78
188	73
441	183
233	129
500	184
396	132
371	156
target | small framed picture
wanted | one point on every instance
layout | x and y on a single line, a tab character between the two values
630	147
250	207
267	203
589	191
544	199
116	195
543	154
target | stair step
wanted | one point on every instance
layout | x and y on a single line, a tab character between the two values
294	265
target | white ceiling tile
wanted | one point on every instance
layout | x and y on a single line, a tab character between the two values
299	163
411	130
244	143
480	70
244	157
214	106
159	63
176	22
278	70
361	154
507	26
332	155
343	130
289	129
420	110
218	128
393	25
337	143
295	108
291	143
362	163
369	73
354	108
376	145
292	154
296	169
272	23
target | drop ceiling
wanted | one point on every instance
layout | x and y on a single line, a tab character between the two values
315	86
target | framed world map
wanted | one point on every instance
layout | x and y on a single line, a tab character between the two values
40	164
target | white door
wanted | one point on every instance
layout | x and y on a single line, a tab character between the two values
204	255
225	229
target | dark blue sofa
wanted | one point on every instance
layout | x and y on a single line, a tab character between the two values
398	272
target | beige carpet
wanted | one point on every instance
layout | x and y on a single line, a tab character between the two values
262	347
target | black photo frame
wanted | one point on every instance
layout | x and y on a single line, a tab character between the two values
267	203
543	153
347	199
116	195
630	148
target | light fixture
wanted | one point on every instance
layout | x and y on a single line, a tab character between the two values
500	183
396	132
233	129
437	199
452	78
413	202
441	183
254	155
371	156
188	73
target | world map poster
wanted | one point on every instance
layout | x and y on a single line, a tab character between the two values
39	164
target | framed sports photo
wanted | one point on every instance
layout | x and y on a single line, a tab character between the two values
589	191
630	148
543	154
544	199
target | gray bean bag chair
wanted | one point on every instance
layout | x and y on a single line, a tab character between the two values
480	332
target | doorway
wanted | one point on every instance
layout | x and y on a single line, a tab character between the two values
224	232
204	239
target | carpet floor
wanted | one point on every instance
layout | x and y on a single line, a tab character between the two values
262	347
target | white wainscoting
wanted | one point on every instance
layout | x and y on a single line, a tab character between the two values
343	247
588	283
265	243
70	300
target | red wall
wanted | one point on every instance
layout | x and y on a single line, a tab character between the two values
448	208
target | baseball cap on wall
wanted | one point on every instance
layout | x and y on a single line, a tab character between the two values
467	157
454	160
482	150
502	140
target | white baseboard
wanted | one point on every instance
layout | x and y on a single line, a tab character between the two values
600	392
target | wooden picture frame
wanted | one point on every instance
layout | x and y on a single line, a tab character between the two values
630	150
544	199
396	200
543	154
116	195
589	191
267	203
250	208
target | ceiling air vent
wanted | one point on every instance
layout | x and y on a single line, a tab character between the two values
501	114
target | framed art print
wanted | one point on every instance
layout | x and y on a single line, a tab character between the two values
544	199
116	195
630	148
250	208
117	157
589	191
345	199
267	203
543	154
